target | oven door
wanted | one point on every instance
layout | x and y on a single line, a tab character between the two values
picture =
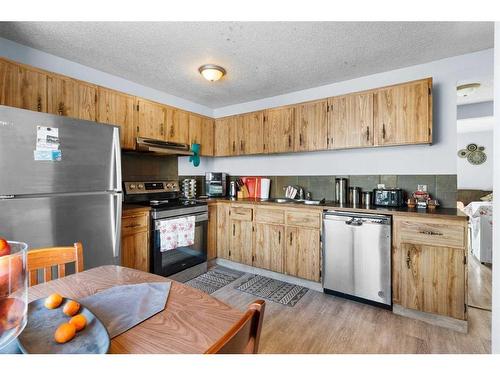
169	262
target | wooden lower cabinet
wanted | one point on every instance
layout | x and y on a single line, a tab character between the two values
241	247
212	232
302	255
429	260
223	233
269	246
432	279
135	240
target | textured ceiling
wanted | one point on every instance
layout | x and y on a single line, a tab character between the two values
262	59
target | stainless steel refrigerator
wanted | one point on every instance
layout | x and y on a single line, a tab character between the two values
51	202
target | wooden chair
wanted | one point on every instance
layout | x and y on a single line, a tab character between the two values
54	256
244	336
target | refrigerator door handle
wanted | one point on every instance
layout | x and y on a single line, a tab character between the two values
117	160
117	213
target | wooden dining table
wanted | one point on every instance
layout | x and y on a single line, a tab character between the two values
190	323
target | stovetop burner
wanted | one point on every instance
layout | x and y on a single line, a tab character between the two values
170	204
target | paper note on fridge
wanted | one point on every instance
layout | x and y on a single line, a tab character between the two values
47	138
47	155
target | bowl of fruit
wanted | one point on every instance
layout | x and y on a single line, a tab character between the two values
13	290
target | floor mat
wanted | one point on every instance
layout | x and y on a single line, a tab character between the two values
214	279
273	290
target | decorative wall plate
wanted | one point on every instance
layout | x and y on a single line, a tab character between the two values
463	153
476	157
472	147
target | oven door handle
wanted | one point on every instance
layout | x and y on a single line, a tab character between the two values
197	218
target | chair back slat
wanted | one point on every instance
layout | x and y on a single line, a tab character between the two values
47	258
244	336
61	270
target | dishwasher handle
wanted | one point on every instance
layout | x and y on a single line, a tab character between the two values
354	222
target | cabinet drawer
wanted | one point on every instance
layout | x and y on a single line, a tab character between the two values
269	215
241	213
134	224
308	219
433	234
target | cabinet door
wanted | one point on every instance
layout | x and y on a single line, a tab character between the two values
241	241
22	88
311	126
72	98
150	120
278	130
177	125
135	251
403	114
212	232
223	230
201	131
251	137
222	143
269	247
351	121
116	108
302	257
432	279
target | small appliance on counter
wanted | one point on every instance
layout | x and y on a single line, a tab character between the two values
233	189
341	190
367	198
388	197
355	196
216	184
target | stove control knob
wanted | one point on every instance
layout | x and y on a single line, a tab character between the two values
132	186
140	186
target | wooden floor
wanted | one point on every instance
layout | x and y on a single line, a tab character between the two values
479	284
321	323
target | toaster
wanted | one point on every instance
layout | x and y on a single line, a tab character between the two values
388	197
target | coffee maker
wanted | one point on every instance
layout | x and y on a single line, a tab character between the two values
216	184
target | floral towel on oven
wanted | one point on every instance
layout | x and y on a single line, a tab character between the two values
176	233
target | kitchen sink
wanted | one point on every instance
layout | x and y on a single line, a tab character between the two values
282	200
297	201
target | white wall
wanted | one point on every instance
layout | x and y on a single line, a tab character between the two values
440	158
471	176
42	60
495	315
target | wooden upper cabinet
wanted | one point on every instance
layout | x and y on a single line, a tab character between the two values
311	126
350	121
278	129
116	108
225	136
403	114
177	125
72	98
201	131
150	120
21	87
250	133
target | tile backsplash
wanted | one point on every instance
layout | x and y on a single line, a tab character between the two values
440	187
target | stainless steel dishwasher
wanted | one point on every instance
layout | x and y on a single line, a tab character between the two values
357	257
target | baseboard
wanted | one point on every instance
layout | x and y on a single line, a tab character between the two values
274	275
458	325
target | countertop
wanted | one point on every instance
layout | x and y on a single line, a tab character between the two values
447	213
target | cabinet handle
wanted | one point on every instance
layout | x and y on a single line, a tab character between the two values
242	146
367	133
300	139
289	140
383	131
61	108
39	103
161	129
234	230
430	233
234	147
290	238
132	225
279	237
408	260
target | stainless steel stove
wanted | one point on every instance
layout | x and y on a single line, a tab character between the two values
166	203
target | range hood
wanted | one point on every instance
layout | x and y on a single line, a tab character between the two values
162	147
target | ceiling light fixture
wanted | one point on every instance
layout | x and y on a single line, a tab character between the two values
211	72
467	89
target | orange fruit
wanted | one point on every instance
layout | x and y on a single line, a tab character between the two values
53	301
64	333
79	321
71	308
11	268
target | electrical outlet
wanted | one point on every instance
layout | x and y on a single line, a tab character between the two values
422	188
